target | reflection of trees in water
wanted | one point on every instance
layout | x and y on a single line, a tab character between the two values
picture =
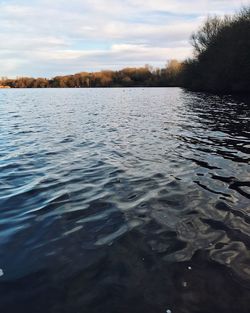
229	114
218	124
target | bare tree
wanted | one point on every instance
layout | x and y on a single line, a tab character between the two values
202	39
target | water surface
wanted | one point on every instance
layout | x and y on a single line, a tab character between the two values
124	200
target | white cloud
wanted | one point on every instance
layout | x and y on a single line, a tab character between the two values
45	37
190	7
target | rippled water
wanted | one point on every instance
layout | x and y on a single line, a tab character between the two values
124	200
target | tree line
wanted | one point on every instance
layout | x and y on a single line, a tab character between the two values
221	60
146	76
221	63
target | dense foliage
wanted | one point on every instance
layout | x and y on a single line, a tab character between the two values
222	55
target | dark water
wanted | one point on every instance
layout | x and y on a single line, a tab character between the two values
124	200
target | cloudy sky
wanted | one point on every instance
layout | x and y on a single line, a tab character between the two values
53	37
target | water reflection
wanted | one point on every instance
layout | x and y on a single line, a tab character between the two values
124	200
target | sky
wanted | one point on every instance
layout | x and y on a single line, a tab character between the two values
44	38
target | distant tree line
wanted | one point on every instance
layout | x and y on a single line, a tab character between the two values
129	77
221	63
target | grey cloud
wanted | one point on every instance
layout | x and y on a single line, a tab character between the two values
45	37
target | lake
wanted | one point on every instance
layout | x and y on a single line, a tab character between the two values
124	200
